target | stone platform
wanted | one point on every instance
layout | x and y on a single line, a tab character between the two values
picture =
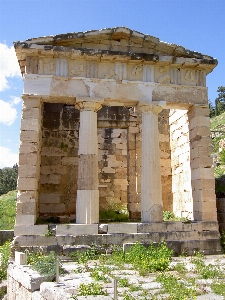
180	236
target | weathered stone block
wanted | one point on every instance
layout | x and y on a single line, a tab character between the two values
27	184
30	230
122	228
76	229
25	220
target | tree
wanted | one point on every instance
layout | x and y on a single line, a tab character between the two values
212	111
220	101
8	179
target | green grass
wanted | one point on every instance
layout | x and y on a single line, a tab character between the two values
7	210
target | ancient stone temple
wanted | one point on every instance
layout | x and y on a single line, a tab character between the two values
114	116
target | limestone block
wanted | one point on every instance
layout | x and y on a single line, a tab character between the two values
31	103
87	207
54	169
49	198
54	208
50	179
76	229
108	170
200	131
26	208
122	228
124	152
29	136
25	220
34	240
20	258
28	159
27	147
203	142
53	151
199	121
70	161
30	230
121	146
27	171
32	113
28	196
202	173
30	124
27	184
205	162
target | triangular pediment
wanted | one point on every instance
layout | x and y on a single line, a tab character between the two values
115	39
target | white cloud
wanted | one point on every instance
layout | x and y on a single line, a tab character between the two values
7	158
9	66
15	100
8	113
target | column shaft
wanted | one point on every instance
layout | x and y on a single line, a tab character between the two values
87	204
151	189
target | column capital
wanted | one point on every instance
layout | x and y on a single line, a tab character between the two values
146	106
87	103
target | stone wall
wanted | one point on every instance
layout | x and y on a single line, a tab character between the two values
119	143
59	160
180	163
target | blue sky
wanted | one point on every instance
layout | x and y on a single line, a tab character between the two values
195	24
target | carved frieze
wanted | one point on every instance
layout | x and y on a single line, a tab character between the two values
77	68
46	66
169	74
190	76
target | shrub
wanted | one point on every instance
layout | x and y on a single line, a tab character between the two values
4	257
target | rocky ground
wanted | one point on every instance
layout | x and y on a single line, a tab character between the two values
194	277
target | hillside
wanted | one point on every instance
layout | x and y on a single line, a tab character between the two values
217	131
7	210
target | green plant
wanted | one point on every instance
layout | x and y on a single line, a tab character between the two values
91	289
4	257
123	282
99	275
175	288
170	216
180	268
44	264
49	232
114	212
154	258
211	271
63	146
83	257
218	288
222	240
7	210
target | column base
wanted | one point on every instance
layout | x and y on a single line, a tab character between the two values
154	214
87	207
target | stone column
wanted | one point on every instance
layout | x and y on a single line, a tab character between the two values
151	188
87	203
29	161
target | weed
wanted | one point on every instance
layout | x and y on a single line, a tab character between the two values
170	216
175	288
4	257
84	257
211	271
91	289
99	276
44	264
49	232
218	288
154	258
123	282
180	268
114	212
